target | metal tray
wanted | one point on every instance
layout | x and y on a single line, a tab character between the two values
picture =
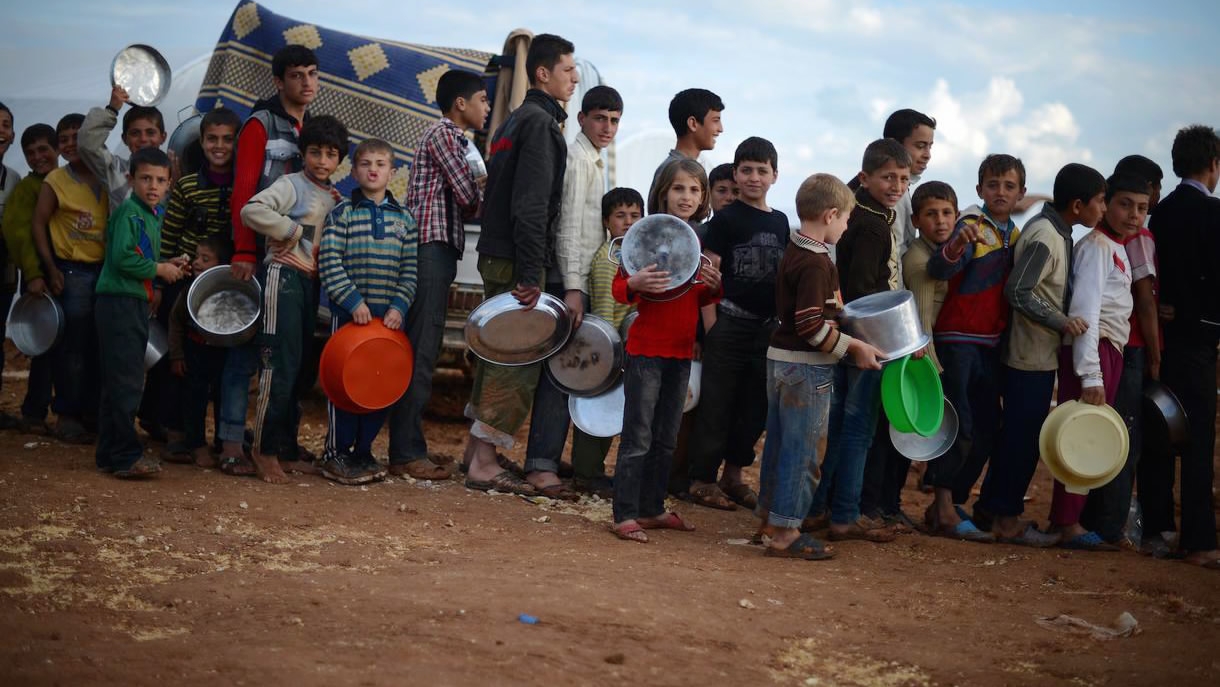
500	331
601	415
591	361
143	72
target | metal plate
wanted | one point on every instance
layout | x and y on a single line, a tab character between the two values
591	361
500	331
143	72
920	448
667	242
36	323
601	415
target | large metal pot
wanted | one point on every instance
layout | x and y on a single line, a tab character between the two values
591	361
667	242
888	320
35	323
224	309
1165	417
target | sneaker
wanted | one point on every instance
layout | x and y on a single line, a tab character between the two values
368	462
344	469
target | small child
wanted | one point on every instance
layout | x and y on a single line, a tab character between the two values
1038	291
801	362
934	205
621	208
290	213
724	188
660	345
124	293
368	268
143	127
695	116
193	359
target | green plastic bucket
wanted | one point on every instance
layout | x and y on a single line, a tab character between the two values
912	396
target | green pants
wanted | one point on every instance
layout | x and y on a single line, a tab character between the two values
589	454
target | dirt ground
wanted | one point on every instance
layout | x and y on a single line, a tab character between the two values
198	578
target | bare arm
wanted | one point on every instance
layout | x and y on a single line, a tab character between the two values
48	203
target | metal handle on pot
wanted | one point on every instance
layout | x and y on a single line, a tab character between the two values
610	250
702	256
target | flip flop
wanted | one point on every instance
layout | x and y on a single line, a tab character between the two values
965	531
630	532
877	535
804	547
503	481
668	521
1032	537
1089	541
237	466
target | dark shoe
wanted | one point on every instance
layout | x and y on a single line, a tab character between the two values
155	432
370	463
601	486
504	481
70	431
9	421
347	470
34	425
803	547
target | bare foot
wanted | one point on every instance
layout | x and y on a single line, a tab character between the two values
1204	559
304	467
203	457
269	469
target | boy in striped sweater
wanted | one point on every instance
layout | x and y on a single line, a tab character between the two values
368	267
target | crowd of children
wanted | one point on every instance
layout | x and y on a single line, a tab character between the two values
1014	312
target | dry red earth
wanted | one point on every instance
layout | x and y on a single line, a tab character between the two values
198	578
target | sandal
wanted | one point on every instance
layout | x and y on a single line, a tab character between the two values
237	466
630	531
804	547
141	468
856	531
963	531
504	462
423	469
559	492
667	521
1031	536
503	481
710	496
1089	541
741	493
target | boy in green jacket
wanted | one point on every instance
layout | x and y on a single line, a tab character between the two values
124	295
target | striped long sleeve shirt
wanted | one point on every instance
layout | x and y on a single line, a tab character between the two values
368	255
807	304
198	208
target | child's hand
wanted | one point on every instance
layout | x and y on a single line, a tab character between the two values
242	270
178	368
864	355
168	272
710	275
392	319
362	314
575	302
55	279
527	296
118	97
1093	395
968	235
649	280
1075	326
37	285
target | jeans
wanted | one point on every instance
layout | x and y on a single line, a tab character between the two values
1189	370
549	419
733	401
655	391
240	365
971	379
205	367
122	325
425	328
850	430
798	403
75	367
1027	402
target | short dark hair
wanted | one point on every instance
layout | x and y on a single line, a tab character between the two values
69	121
140	112
545	51
1194	148
693	102
1122	182
148	157
291	56
881	151
324	130
218	244
373	145
932	190
221	116
39	132
756	149
999	164
620	196
1077	182
721	172
1140	166
601	98
903	123
4	108
454	84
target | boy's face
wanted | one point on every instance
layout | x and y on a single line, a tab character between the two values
299	86
723	192
560	81
621	218
149	183
1002	192
754	179
321	161
836	224
373	171
887	183
218	143
67	145
919	145
6	131
143	133
205	259
1126	211
1092	211
600	126
41	156
705	132
935	219
474	111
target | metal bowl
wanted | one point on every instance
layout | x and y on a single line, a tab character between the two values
591	361
921	448
888	320
157	346
601	415
184	144
143	72
36	323
500	331
1168	419
225	310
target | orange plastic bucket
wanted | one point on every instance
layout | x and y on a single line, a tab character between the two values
366	367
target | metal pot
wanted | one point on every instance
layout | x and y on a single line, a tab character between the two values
888	320
1165	416
143	72
157	346
590	362
225	310
667	242
36	323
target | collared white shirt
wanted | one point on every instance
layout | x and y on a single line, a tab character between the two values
581	231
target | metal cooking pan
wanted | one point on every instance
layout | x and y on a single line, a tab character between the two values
143	72
36	323
590	362
667	242
1165	415
888	320
500	331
